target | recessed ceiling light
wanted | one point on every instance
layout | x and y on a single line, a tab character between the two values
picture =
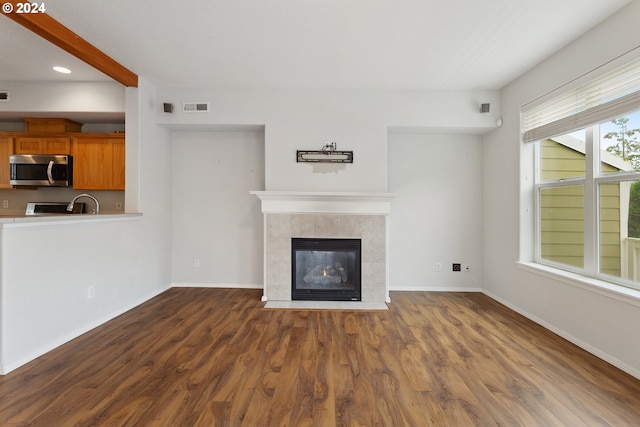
62	70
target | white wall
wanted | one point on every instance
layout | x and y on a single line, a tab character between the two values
604	323
63	98
149	181
215	219
355	120
437	217
306	119
46	270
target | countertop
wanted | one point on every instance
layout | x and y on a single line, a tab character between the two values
14	221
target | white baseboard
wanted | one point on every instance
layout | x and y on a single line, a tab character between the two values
5	369
433	289
583	345
217	285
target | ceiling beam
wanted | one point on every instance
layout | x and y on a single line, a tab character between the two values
50	29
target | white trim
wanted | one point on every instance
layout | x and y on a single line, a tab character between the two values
583	345
264	258
46	221
218	285
600	287
5	369
434	289
294	202
582	282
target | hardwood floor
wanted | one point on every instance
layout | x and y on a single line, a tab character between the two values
205	357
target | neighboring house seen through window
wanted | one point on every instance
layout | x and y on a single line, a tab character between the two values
588	200
587	173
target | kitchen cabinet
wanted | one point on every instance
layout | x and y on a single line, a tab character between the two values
42	145
98	158
117	164
6	149
46	124
98	162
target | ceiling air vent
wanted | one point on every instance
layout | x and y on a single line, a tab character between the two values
5	96
195	107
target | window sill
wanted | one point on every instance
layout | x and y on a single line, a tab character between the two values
609	290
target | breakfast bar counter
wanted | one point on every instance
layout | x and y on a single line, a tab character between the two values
15	221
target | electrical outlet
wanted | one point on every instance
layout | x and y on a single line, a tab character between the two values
467	267
196	263
438	266
91	292
119	206
5	204
456	266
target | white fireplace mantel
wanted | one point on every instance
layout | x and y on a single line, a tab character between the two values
300	202
289	214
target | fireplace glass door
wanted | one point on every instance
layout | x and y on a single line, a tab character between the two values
325	269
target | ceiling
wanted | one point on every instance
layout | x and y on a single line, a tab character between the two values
357	44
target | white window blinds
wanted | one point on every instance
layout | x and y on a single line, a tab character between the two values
606	97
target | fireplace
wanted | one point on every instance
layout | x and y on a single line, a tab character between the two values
292	215
324	269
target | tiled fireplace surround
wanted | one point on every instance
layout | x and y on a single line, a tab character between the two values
322	215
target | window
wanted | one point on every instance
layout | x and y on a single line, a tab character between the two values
587	173
588	200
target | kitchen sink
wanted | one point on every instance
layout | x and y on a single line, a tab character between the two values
49	208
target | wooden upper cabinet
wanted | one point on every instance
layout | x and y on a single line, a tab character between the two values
117	164
98	158
56	146
28	145
98	163
6	149
40	124
42	145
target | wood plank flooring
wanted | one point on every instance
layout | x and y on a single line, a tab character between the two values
216	357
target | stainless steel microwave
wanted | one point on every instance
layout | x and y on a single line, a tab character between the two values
41	170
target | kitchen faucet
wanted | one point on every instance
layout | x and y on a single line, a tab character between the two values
71	203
